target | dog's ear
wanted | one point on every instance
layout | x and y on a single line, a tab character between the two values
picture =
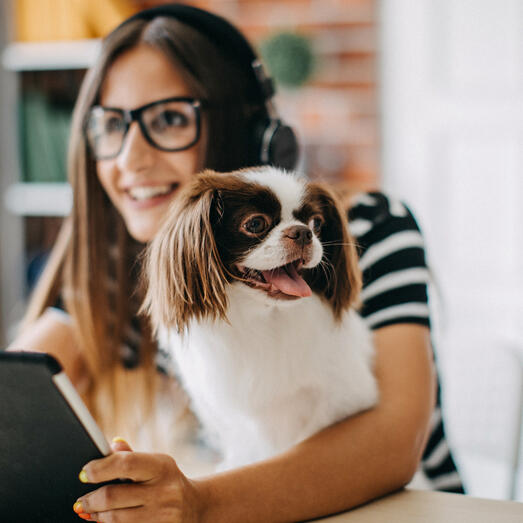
339	280
183	273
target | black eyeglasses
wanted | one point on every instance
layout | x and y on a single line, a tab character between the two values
172	124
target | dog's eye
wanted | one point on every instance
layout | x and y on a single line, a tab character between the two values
256	224
315	223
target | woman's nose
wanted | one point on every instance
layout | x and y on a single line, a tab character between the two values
136	153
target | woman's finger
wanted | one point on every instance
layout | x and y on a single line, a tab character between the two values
138	515
111	497
136	466
119	444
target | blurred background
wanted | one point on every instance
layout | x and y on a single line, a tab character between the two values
421	98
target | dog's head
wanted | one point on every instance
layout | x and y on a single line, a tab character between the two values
267	230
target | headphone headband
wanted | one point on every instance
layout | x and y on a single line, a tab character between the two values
219	31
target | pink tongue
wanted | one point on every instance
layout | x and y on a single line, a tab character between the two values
287	281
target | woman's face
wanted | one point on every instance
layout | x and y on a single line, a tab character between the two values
142	181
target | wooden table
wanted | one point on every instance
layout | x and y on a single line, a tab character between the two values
419	506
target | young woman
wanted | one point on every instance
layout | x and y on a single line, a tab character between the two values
172	92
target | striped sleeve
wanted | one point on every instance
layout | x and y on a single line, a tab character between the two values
395	279
392	259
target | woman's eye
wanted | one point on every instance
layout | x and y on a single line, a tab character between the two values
256	225
167	119
315	223
113	125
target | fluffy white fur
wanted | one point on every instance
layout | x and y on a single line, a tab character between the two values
274	375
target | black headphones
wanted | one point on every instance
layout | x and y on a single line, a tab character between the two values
275	141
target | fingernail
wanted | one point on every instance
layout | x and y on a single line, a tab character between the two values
83	476
77	507
118	439
85	516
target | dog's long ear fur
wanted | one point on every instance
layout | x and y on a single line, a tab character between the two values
183	272
339	280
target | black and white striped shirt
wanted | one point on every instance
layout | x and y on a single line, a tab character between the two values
395	279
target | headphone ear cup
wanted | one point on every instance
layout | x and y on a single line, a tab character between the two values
283	147
275	144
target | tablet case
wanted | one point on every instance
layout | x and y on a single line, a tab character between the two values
43	445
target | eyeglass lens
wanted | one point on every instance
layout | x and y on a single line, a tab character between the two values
171	126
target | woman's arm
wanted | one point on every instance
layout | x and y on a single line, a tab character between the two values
350	463
343	466
52	333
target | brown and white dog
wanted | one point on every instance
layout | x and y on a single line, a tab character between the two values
251	286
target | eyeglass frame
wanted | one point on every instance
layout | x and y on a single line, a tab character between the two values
134	115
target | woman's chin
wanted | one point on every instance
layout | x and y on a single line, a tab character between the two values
143	224
143	232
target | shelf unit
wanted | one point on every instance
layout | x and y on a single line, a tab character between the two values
50	56
39	199
47	199
20	201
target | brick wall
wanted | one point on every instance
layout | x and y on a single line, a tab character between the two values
335	112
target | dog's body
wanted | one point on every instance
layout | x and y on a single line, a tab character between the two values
278	353
272	377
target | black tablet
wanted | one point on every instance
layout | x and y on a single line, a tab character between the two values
46	436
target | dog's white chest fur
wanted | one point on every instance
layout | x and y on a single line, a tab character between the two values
273	375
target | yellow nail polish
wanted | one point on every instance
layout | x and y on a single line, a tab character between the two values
77	507
83	476
118	439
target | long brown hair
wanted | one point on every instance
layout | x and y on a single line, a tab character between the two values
80	266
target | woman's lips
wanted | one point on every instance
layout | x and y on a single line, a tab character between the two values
144	197
144	192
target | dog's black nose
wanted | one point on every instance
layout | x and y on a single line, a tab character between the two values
301	234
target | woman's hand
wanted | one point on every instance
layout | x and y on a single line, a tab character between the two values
159	491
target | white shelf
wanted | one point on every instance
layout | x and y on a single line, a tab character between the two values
48	56
39	199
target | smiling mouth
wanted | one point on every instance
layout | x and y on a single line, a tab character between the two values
139	194
280	282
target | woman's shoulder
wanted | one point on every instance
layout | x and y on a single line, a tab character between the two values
375	216
392	259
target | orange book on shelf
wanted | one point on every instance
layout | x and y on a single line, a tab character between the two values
47	20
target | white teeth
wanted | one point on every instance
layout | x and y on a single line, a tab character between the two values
142	193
